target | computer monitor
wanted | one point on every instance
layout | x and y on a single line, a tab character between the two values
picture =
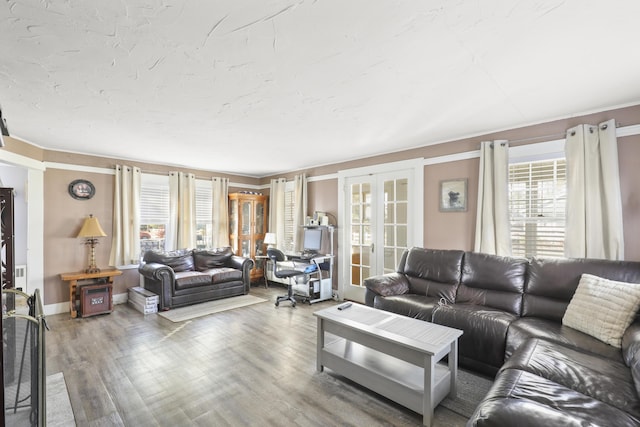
312	240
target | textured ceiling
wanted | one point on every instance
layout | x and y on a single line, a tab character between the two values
259	87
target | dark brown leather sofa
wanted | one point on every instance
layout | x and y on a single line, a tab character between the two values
190	276
511	312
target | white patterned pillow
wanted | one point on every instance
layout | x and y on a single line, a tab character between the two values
603	308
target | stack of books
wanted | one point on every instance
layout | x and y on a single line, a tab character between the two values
146	302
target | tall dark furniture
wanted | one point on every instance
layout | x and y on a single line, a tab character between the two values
8	271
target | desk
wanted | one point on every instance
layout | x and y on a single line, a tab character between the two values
319	284
73	278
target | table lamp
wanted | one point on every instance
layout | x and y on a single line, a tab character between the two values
270	240
91	230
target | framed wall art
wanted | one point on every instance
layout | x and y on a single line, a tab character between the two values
453	195
81	189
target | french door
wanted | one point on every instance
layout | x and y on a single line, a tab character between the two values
382	216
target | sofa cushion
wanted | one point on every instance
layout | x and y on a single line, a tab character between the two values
603	308
553	281
493	281
602	379
434	264
485	332
631	352
191	279
520	398
180	260
211	258
525	328
223	274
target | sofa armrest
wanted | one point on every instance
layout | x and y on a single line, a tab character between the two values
244	264
387	284
159	279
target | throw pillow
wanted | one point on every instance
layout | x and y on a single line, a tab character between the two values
603	308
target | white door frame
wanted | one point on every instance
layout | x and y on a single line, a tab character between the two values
415	235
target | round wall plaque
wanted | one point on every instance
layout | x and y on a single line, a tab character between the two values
81	189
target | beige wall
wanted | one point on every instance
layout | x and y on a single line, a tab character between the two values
64	215
629	155
449	230
456	230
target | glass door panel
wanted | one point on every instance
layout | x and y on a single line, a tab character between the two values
245	244
245	220
260	218
361	232
395	206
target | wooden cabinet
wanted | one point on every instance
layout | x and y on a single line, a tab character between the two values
247	227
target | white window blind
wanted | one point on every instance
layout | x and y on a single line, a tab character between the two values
204	202
154	200
154	211
537	201
204	215
287	245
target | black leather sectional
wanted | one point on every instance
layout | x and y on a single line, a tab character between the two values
511	311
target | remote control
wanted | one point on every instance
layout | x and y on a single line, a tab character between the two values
344	306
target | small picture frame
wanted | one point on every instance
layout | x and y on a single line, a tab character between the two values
81	189
453	195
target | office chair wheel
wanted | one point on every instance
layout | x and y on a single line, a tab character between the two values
293	304
277	303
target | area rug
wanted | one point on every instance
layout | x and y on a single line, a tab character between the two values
59	411
471	389
198	310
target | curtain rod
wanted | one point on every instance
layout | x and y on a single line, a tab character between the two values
548	137
167	174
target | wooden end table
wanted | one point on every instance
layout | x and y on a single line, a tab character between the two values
74	278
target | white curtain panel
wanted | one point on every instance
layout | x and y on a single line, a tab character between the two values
181	233
493	234
125	242
300	210
594	207
220	212
276	209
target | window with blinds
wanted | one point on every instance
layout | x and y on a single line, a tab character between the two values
154	211
537	200
204	215
287	245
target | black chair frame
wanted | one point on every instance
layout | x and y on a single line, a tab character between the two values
277	256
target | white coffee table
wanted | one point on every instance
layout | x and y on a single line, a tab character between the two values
395	356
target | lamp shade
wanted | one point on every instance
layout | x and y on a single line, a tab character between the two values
270	238
91	228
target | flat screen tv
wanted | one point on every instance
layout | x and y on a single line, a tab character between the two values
312	240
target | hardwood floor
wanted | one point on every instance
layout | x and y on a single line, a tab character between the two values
250	366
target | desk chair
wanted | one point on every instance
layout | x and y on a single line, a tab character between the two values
276	256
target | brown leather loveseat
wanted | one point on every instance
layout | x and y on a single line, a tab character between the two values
190	276
512	312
